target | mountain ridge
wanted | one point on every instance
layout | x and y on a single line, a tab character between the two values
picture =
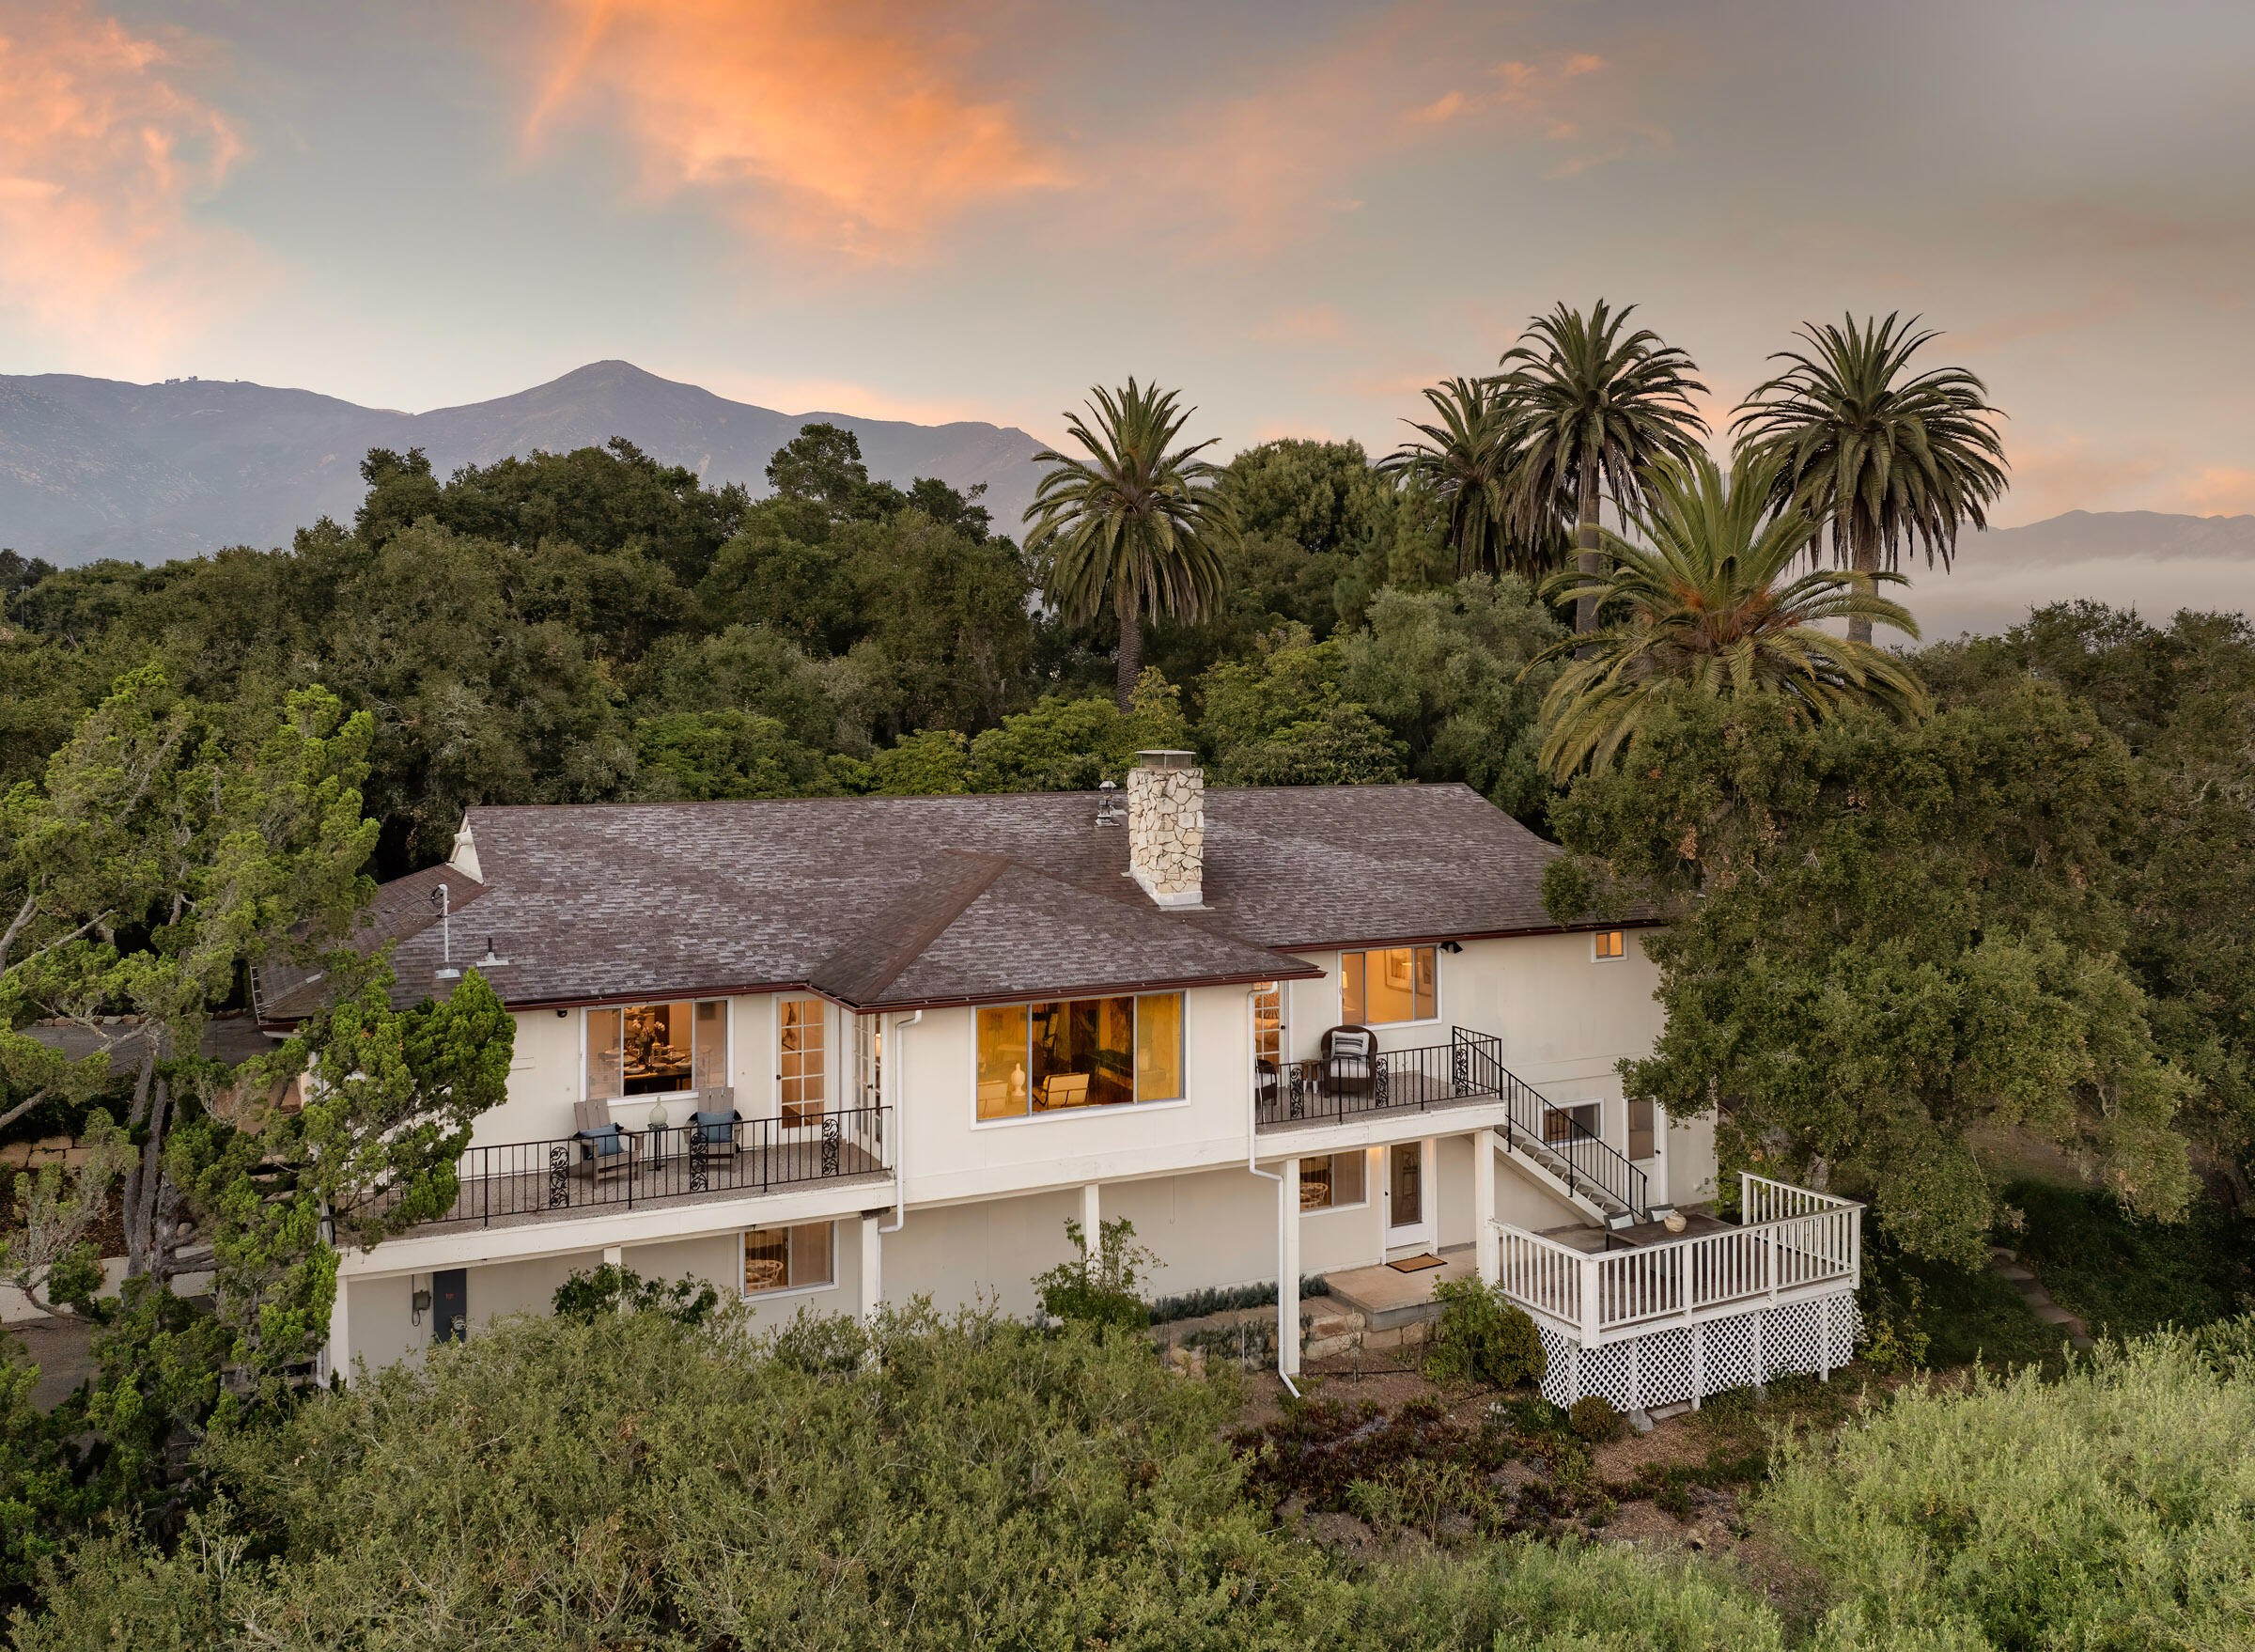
92	468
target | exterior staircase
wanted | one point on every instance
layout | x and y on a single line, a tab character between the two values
1547	1144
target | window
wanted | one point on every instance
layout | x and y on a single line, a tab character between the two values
1268	1024
798	1059
1395	984
1641	1127
1607	944
1079	1052
1331	1182
656	1049
789	1259
1558	1122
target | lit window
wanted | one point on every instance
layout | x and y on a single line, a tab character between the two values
1079	1052
656	1049
1331	1182
789	1259
1388	985
1268	1024
1608	943
1573	1124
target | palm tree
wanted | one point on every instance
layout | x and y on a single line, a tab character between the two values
1881	457
1466	463
1596	410
1706	614
1133	523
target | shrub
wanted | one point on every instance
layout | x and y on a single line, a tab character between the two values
1594	1418
1482	1339
1100	1290
614	1289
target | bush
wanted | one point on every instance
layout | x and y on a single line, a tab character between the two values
1594	1418
1100	1290
612	1289
1482	1339
2107	1508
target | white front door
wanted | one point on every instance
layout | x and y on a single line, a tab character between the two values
1406	1190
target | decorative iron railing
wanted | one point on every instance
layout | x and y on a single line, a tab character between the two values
1468	1068
516	1180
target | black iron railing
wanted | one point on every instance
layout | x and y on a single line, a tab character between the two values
1468	1068
755	1155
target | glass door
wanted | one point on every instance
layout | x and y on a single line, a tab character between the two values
1409	1195
802	1060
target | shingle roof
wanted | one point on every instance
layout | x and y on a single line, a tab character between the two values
883	902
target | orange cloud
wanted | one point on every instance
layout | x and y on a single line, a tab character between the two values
2222	490
102	157
851	127
2071	472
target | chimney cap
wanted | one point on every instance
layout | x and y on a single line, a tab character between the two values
1169	759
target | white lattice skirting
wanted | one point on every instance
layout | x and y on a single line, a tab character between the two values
1690	1362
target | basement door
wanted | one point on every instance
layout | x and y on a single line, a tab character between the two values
1407	1194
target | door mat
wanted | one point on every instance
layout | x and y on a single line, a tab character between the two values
1416	1263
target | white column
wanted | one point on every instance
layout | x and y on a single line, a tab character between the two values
1484	1205
873	1267
338	1350
1092	1220
1287	1271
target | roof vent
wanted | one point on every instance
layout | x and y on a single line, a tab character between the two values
1112	810
1166	827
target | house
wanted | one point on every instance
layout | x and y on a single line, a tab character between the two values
830	1052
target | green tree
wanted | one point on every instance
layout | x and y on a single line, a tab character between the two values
1466	461
1072	745
1884	457
1703	611
698	757
935	763
1596	410
1134	526
1884	940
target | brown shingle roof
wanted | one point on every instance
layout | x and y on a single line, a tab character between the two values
897	901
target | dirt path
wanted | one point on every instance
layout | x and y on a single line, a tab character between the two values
2008	1267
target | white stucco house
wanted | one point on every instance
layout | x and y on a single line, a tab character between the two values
831	1053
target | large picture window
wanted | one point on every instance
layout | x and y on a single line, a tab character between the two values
1386	985
657	1048
790	1258
1079	1052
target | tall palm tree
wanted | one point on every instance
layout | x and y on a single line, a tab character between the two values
1596	410
1880	456
1705	612
1135	523
1466	461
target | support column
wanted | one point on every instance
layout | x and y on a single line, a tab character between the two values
1092	1220
873	1266
1288	1271
1486	1242
336	1353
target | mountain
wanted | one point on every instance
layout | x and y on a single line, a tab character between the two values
94	467
2143	559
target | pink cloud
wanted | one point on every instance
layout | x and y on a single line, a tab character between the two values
102	159
2221	490
858	127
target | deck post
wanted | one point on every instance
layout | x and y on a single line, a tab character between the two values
1092	1220
336	1353
1590	1281
1824	1339
873	1267
1699	1363
1486	1242
1287	1272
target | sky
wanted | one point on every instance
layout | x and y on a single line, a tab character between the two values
1299	214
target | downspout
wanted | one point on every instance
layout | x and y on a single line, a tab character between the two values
1252	1123
900	1137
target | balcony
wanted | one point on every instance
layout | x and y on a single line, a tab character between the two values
1792	1245
1465	1071
514	1182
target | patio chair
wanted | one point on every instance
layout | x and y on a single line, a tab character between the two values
716	1128
1350	1061
605	1149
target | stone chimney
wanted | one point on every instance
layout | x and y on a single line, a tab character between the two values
1166	827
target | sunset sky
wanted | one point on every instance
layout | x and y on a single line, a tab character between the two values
1300	213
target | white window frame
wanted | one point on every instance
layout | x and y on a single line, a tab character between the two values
743	1238
588	1012
1440	1014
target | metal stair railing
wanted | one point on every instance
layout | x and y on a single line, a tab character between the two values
1550	1135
